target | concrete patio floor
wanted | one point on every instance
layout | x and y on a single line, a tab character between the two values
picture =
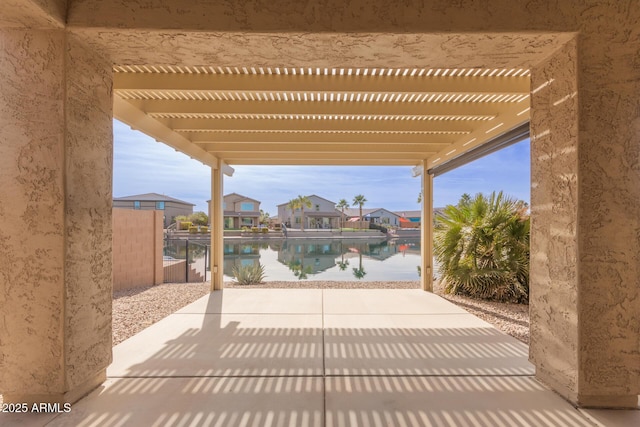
313	357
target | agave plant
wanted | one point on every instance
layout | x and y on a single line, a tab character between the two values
249	274
482	246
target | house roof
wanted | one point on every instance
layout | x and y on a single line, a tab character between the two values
382	209
150	197
356	211
240	197
409	214
418	213
310	196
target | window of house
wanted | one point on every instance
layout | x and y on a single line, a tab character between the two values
317	208
247	221
246	206
136	204
160	206
297	220
224	205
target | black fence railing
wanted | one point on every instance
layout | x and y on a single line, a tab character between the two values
382	228
185	261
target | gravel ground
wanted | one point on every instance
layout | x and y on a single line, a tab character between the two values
136	309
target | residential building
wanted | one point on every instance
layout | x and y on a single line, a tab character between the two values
380	216
153	201
239	211
321	214
383	216
354	212
415	217
411	216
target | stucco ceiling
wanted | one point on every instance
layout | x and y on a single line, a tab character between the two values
321	116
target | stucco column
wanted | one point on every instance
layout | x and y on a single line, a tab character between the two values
585	244
55	217
217	228
426	232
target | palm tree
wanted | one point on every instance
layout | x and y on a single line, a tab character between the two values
482	246
292	205
360	201
302	202
359	272
342	205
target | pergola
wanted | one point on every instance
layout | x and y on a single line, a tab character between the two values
421	117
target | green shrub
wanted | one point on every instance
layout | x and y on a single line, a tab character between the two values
204	229
254	229
193	229
264	230
245	229
199	218
184	225
482	246
249	274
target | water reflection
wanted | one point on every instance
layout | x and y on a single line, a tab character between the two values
316	259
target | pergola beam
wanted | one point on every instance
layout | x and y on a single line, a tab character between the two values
308	107
321	137
415	157
135	118
515	116
333	125
255	148
223	83
321	162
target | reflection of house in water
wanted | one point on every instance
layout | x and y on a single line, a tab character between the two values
309	256
406	246
241	254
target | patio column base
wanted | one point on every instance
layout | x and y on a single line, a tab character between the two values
70	396
608	402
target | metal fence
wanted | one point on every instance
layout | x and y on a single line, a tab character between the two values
185	261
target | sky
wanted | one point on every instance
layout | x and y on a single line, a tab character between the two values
142	165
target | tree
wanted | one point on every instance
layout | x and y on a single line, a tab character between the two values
302	202
264	217
342	205
292	205
420	197
482	246
199	218
360	201
359	272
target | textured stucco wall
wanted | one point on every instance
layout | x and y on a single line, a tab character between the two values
137	248
32	212
609	204
585	297
55	219
33	13
88	189
554	219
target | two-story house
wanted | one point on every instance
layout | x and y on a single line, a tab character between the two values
154	201
321	214
239	211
